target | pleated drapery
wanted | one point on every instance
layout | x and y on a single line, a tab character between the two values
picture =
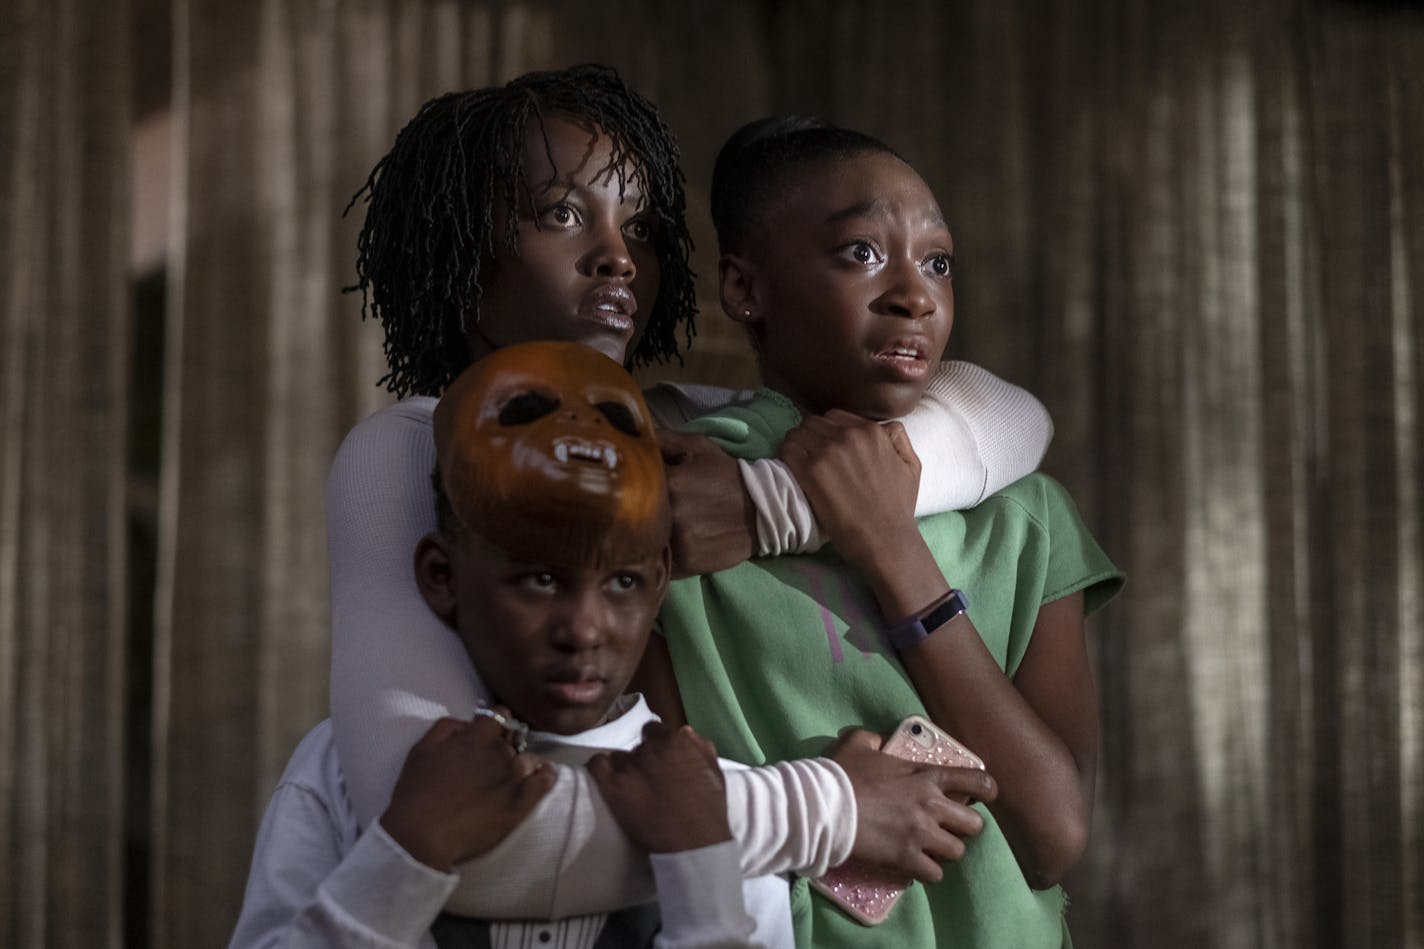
1197	232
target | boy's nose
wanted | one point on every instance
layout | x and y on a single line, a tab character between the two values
580	626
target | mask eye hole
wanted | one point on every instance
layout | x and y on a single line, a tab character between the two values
620	417
527	407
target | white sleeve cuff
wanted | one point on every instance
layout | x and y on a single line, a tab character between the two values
793	816
386	890
700	896
785	523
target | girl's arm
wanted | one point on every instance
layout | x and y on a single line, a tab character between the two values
974	433
1037	734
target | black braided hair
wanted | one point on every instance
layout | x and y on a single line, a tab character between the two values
431	211
754	164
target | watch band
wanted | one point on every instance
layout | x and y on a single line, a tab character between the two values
914	630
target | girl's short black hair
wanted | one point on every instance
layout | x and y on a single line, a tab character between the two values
754	164
431	202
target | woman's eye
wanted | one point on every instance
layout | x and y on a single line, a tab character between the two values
639	229
558	215
619	416
941	265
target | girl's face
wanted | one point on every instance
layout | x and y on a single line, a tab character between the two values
848	287
586	270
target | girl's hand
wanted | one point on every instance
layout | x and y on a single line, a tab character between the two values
713	521
668	794
861	477
462	790
910	816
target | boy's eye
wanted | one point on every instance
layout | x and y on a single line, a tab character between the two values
527	407
619	416
624	582
539	582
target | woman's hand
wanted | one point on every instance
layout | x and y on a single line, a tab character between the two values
910	816
860	476
462	790
668	794
713	521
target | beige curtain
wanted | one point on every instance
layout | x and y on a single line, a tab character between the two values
64	371
1196	231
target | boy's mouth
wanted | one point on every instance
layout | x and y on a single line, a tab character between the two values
573	686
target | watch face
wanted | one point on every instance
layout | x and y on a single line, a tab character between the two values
912	631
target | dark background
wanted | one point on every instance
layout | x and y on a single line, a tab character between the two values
1195	231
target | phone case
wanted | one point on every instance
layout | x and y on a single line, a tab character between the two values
868	894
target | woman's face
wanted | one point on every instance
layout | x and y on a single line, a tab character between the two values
585	270
851	291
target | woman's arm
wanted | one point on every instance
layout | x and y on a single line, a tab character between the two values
1037	736
974	434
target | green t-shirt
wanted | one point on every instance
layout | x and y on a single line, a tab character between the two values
775	656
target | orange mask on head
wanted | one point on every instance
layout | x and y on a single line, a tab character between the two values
547	451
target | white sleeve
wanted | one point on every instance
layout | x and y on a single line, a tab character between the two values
700	899
793	816
395	667
974	433
303	894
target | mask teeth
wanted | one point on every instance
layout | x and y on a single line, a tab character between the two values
602	452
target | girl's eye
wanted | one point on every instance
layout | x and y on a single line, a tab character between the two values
862	252
941	265
639	229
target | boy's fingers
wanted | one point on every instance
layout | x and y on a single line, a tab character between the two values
852	737
970	781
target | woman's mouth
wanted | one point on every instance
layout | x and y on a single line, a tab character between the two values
611	305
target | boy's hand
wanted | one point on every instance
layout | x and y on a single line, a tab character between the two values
911	816
861	477
668	793
462	790
713	521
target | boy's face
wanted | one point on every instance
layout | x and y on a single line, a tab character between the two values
556	643
586	269
548	461
853	297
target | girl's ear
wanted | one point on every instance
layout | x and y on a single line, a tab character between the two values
739	289
435	575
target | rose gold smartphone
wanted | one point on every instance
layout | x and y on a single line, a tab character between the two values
867	893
